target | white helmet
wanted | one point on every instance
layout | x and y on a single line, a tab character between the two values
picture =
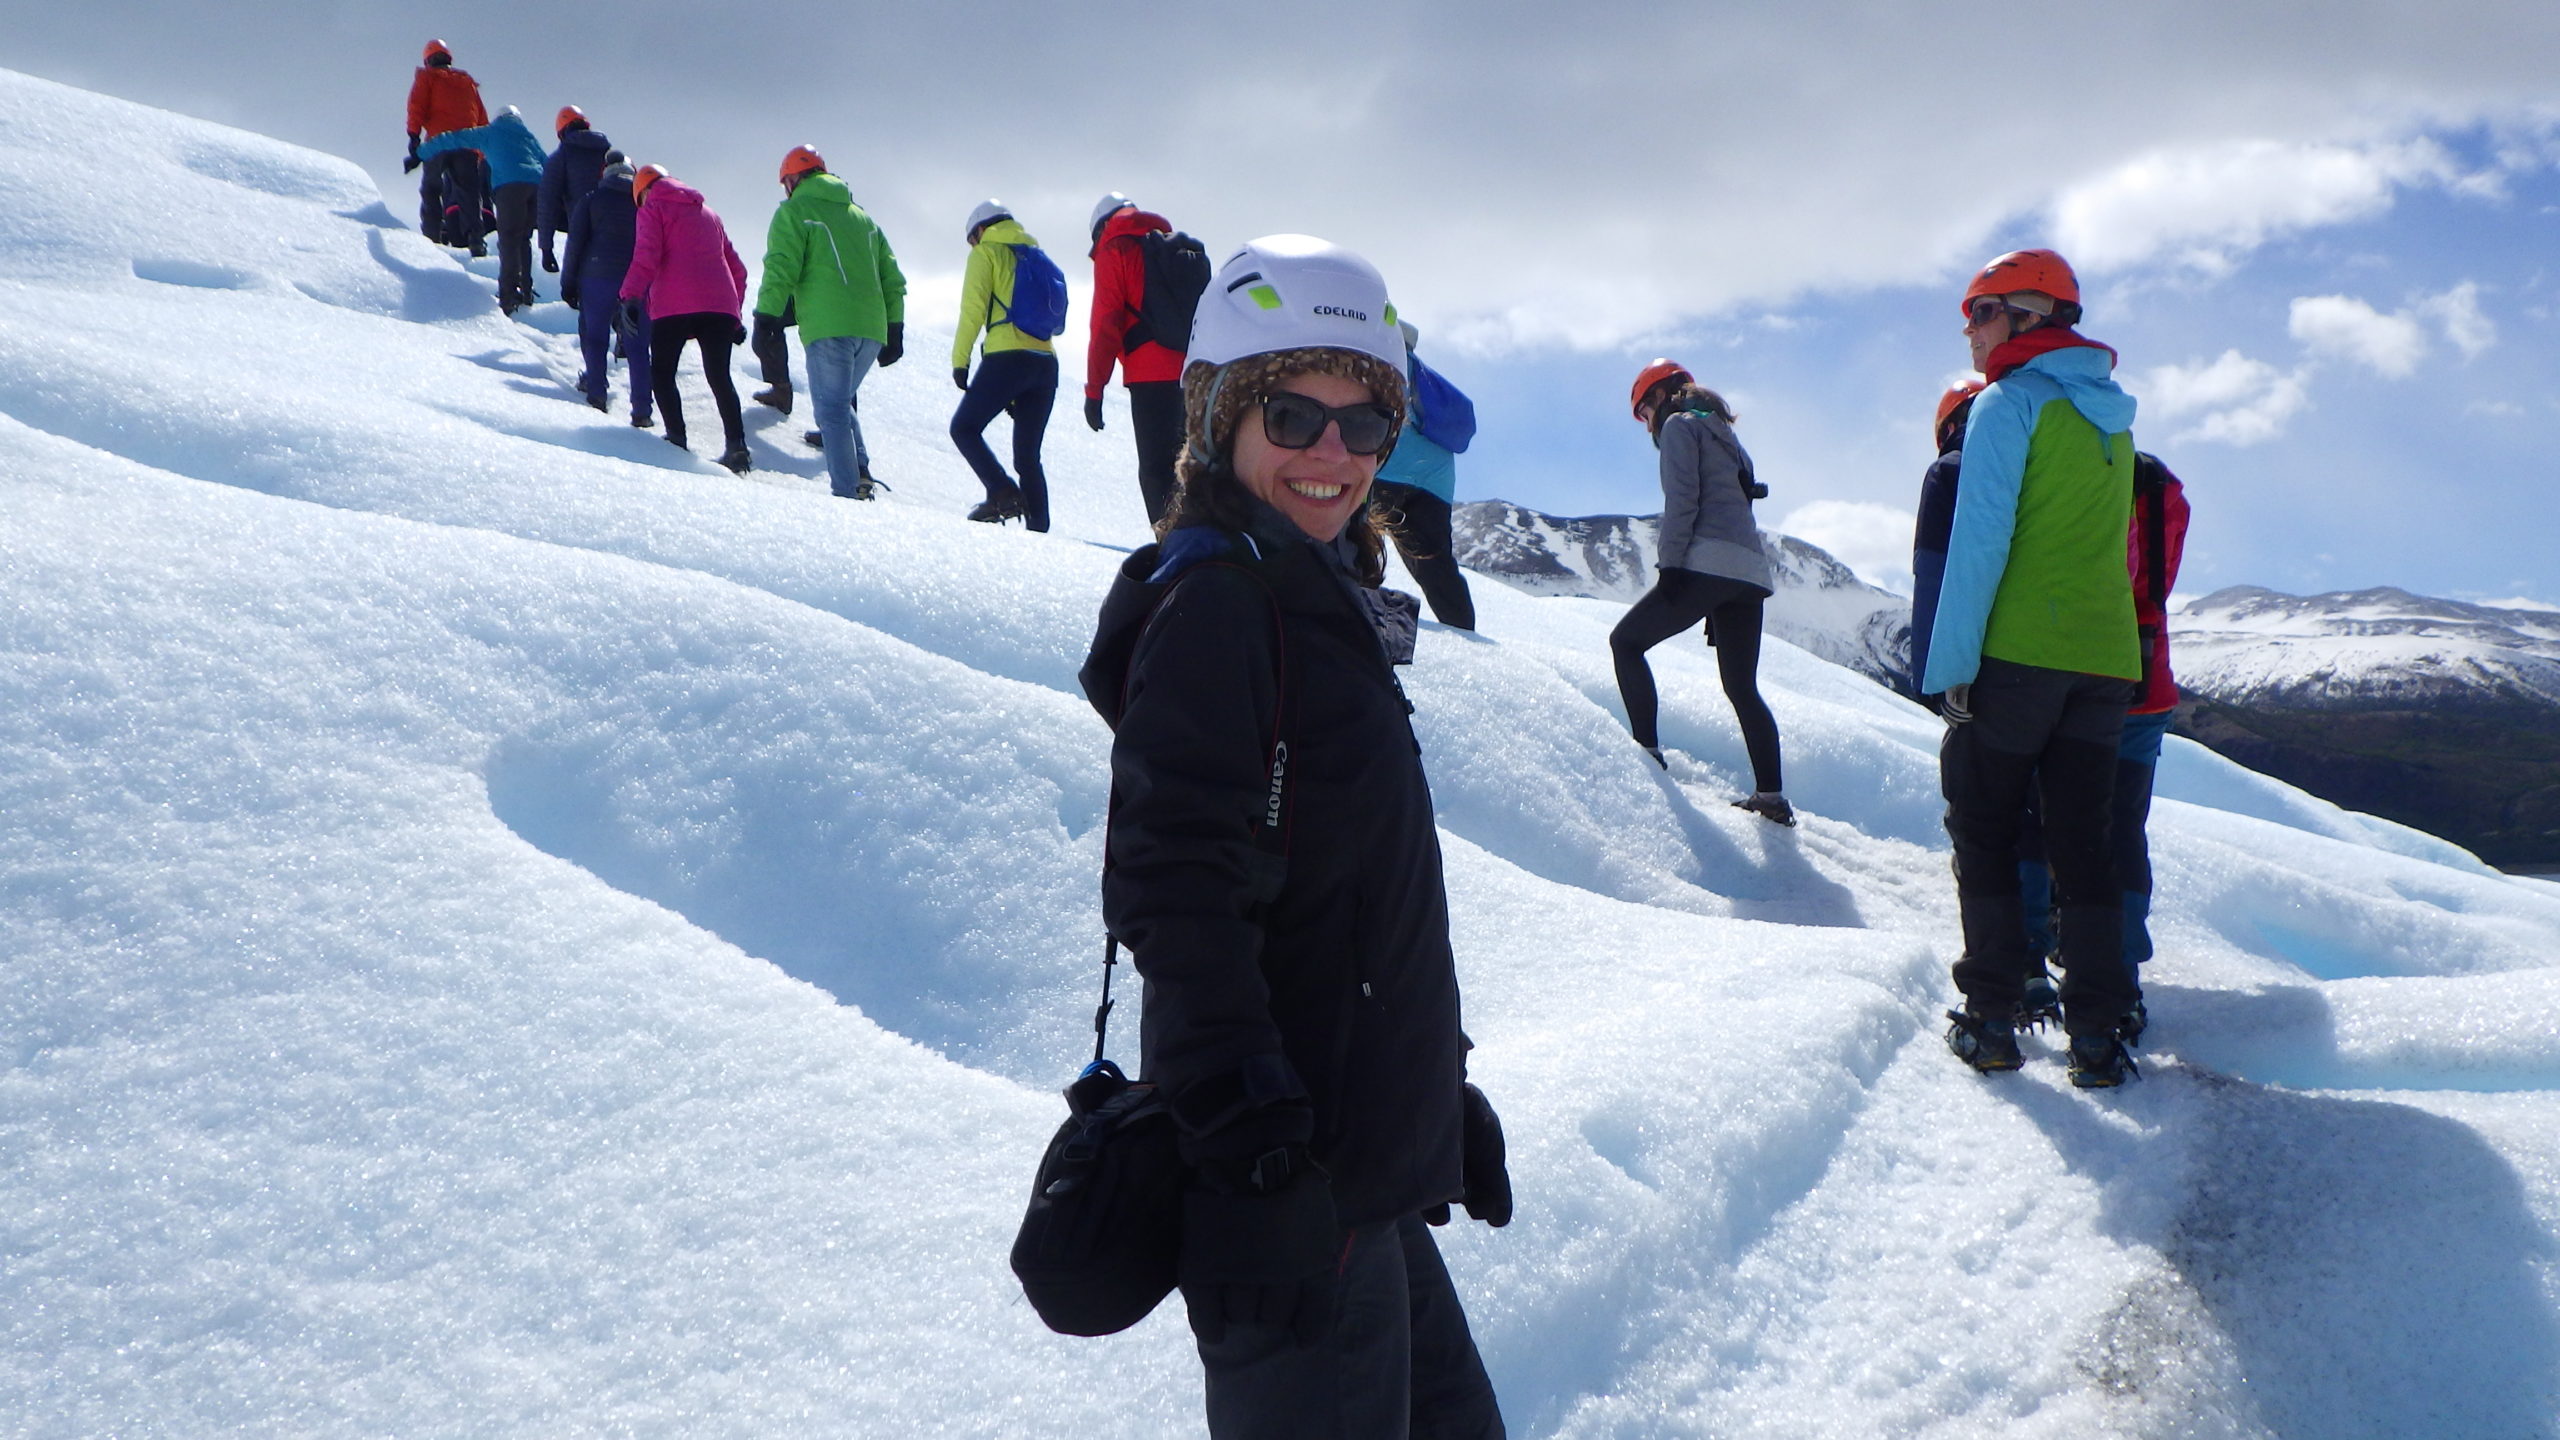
986	212
1106	207
1295	292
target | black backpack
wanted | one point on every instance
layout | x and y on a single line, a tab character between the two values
1176	274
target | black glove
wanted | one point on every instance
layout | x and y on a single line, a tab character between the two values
550	262
1093	411
896	348
631	317
413	144
738	333
410	164
1481	1166
1261	1246
960	376
569	294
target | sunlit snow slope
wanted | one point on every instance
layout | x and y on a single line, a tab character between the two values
512	931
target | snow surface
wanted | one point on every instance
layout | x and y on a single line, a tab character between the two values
512	931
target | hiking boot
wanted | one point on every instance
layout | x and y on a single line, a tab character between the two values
479	250
1655	751
996	512
2135	1021
776	396
2042	1001
599	402
736	460
1985	1042
1769	805
815	440
2100	1062
641	422
862	490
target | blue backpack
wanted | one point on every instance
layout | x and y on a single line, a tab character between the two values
1039	307
1442	412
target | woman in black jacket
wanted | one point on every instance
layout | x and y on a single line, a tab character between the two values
1274	867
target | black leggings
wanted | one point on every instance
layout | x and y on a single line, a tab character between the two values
1422	535
715	332
1680	599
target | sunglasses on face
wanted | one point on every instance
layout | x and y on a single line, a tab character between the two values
1293	422
1985	309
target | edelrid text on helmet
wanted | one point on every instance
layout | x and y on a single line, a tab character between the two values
1292	292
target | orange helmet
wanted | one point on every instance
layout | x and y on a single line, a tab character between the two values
434	49
802	160
1652	375
643	178
1958	396
2041	271
560	122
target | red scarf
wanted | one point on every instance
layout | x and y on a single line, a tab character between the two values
2017	350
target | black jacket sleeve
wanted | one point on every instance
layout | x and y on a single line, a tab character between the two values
1190	774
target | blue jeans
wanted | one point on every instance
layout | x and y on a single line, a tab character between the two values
836	367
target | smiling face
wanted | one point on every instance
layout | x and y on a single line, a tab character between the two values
1321	487
1985	335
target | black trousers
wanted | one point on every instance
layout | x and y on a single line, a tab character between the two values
449	197
715	332
2055	731
515	244
1155	413
1422	537
1024	385
1678	600
1399	1363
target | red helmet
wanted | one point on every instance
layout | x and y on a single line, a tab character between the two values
1652	375
434	49
643	178
560	122
1958	396
2041	271
802	160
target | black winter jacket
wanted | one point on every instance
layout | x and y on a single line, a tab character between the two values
568	177
1340	962
601	233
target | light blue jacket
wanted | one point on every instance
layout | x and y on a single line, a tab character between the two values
2035	568
1421	463
515	157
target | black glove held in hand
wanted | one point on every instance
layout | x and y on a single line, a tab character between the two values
550	262
768	329
738	336
960	376
410	164
1482	1164
896	348
1093	411
1261	1247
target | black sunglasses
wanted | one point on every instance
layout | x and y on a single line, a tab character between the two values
1293	422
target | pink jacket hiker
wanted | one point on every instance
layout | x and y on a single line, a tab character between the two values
681	258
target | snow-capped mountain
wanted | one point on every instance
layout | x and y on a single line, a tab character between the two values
2436	713
512	930
1820	604
2364	649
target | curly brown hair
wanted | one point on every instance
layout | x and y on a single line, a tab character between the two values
1207	491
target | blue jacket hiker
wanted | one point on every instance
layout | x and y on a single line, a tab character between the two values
515	172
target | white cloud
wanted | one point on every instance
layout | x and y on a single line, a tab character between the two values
2344	327
1870	538
2458	311
2202	206
2232	398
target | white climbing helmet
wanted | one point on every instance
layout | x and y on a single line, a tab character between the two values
1295	292
1106	207
986	212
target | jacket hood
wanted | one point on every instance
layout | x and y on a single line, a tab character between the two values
588	139
819	192
1130	223
1007	231
2085	371
510	122
674	192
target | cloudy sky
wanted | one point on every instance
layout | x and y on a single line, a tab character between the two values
2325	240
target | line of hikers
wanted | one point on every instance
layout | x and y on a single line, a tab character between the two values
1301	1021
650	268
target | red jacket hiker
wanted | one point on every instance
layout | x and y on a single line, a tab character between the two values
443	98
1119	284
